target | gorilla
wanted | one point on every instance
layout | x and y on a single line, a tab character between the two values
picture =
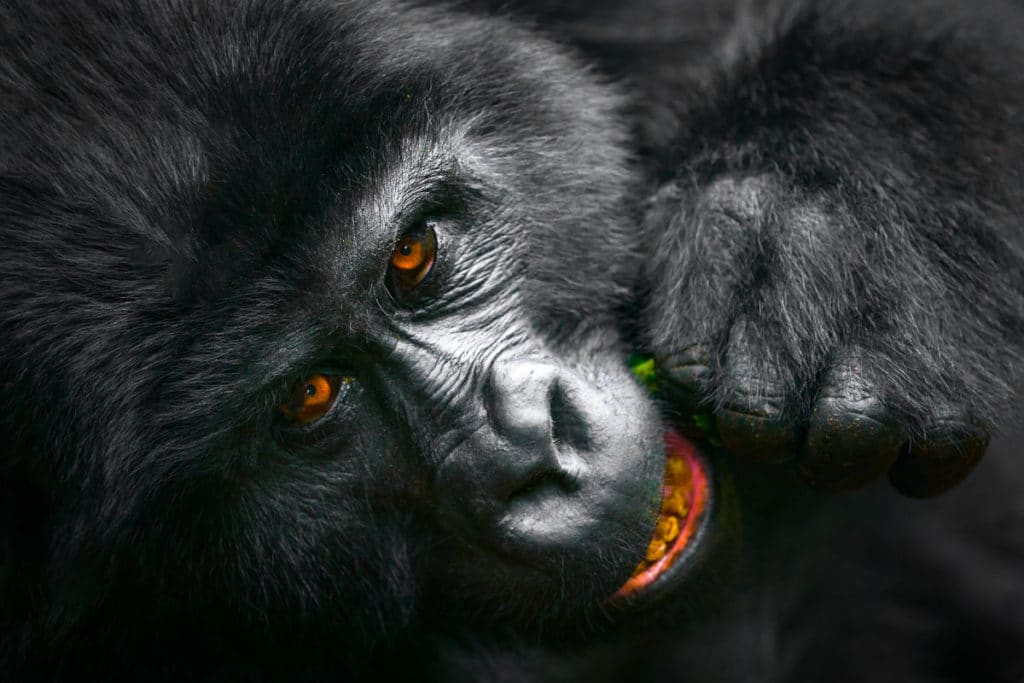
381	339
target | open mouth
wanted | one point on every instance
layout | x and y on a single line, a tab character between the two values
684	503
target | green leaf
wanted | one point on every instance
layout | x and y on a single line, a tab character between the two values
642	365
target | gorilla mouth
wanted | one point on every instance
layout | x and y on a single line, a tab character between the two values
683	505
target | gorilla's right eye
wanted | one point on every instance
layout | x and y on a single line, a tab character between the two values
311	398
412	258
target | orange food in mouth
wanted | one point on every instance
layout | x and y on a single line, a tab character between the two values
683	501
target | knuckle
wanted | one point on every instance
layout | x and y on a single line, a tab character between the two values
687	369
849	445
763	438
947	453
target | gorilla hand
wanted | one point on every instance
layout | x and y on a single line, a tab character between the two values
838	273
808	331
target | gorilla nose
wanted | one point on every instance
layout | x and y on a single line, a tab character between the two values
530	404
559	462
530	407
520	475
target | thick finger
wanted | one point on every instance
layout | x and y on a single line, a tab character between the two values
943	458
852	439
752	421
682	381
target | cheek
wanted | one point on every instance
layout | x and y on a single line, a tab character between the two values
391	469
326	531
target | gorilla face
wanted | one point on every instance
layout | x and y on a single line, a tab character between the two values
318	320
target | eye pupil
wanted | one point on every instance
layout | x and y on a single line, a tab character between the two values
410	255
311	398
412	258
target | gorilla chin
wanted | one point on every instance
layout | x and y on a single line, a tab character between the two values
565	537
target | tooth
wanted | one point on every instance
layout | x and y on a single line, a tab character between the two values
676	504
677	472
668	528
674	467
656	550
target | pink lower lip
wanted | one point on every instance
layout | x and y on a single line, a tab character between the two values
680	453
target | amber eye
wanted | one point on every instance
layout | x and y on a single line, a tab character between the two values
413	257
310	399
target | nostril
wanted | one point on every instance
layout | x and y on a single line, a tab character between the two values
568	426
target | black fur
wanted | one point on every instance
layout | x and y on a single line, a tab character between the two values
816	203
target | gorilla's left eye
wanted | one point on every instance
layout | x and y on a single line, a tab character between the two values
311	398
413	257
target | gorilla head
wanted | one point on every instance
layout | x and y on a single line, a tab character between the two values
312	317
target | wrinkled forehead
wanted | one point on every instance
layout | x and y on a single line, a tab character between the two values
280	144
252	106
225	153
320	121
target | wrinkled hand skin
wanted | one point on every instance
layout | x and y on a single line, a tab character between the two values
849	440
816	337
